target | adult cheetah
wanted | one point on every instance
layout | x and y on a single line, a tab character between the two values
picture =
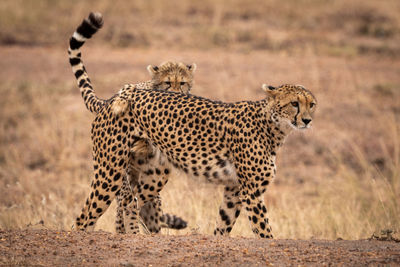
174	76
234	144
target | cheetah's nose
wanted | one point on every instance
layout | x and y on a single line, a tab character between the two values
306	121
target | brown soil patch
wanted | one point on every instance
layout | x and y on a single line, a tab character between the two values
55	248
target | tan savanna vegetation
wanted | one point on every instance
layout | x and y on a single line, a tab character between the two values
339	180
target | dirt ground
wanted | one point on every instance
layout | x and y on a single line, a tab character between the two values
55	248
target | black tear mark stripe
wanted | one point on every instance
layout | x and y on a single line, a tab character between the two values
298	111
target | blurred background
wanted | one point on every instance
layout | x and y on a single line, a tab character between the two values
341	179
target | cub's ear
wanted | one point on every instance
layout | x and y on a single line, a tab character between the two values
192	67
152	69
270	90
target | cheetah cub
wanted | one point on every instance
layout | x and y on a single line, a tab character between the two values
172	76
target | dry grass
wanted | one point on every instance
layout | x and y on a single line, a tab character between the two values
341	179
337	27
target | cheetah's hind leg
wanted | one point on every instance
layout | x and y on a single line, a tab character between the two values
228	211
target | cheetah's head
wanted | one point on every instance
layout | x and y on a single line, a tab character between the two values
172	76
291	105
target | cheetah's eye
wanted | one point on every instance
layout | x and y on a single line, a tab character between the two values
312	105
183	83
168	83
295	104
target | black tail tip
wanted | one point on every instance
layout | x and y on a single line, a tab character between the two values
96	19
181	225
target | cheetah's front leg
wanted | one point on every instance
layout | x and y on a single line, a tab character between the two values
257	214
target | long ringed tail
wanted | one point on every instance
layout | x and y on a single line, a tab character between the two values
85	31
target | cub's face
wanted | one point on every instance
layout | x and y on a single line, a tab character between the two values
173	76
293	105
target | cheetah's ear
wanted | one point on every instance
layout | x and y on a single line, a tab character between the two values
152	69
192	67
270	90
